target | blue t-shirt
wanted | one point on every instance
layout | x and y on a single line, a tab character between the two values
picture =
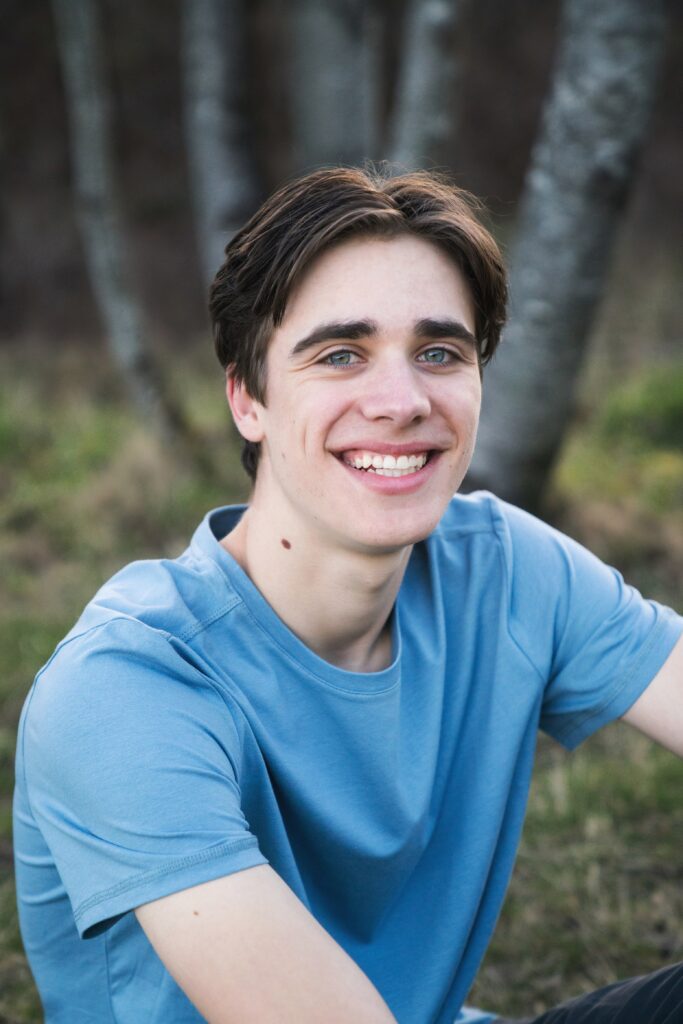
181	732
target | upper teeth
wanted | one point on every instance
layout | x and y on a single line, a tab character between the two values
379	463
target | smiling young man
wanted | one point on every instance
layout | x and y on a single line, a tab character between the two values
282	777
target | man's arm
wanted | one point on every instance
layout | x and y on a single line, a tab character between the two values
244	948
658	712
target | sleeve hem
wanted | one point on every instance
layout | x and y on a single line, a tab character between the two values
661	642
99	911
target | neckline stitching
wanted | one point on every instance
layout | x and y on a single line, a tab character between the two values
314	675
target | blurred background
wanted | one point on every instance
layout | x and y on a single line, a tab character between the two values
135	138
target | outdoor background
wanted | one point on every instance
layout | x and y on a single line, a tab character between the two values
135	139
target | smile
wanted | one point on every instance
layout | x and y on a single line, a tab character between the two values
385	465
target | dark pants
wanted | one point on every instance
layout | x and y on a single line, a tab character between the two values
652	999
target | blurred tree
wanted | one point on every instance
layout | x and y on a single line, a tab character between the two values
582	165
79	37
423	125
222	167
334	80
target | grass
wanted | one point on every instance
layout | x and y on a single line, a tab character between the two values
597	889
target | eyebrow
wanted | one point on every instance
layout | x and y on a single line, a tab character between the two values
353	330
444	328
336	330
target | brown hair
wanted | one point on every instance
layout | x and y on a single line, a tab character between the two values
269	254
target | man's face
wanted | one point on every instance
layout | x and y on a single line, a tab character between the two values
373	394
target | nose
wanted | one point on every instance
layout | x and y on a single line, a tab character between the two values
395	392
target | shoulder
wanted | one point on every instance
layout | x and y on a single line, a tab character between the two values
468	514
130	659
544	578
483	512
501	536
525	543
151	608
123	706
175	597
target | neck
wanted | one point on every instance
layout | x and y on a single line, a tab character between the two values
338	602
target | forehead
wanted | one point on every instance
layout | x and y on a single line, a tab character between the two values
394	281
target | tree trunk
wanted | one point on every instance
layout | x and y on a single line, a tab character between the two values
334	81
592	130
79	37
424	120
222	168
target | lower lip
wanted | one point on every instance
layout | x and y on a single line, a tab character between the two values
393	484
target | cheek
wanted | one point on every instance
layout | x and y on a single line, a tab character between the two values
317	415
462	407
475	410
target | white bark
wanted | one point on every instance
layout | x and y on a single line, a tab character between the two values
424	122
334	81
592	129
79	36
222	172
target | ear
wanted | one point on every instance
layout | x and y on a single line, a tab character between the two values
246	411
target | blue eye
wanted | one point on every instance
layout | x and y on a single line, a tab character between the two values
437	356
341	358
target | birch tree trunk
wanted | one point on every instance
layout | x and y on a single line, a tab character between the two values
334	81
424	123
222	168
79	37
592	130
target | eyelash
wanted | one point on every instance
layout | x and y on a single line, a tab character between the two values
453	355
327	359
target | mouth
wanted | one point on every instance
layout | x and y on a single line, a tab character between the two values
387	464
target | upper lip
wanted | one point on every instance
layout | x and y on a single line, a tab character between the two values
391	448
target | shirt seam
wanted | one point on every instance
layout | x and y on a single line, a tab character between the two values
582	717
201	857
313	675
163	634
462	531
495	525
188	634
576	723
109	986
201	625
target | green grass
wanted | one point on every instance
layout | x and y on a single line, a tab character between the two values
596	892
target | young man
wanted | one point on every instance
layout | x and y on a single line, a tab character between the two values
282	778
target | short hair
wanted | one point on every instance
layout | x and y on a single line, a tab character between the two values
267	257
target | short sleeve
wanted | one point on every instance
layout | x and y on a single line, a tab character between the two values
131	758
596	642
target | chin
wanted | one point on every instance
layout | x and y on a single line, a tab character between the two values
388	537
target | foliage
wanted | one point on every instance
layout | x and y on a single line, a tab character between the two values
619	486
647	413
